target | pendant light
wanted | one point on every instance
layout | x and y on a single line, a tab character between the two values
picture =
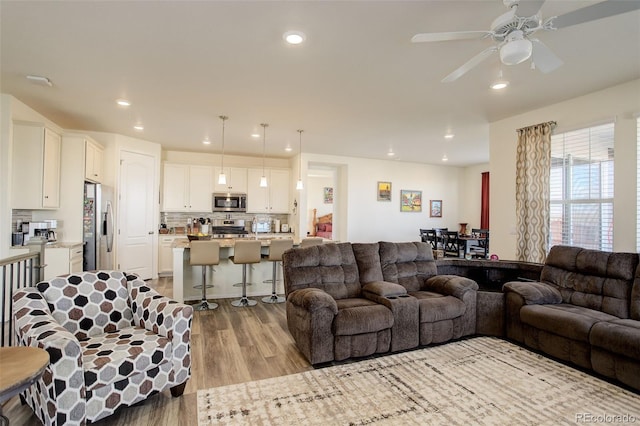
299	185
263	179
222	178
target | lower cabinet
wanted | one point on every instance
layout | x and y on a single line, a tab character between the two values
62	260
165	253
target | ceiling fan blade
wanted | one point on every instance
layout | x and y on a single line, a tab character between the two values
470	64
595	11
528	8
544	59
458	35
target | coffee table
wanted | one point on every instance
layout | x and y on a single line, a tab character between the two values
20	367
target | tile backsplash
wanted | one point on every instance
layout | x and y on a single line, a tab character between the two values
181	219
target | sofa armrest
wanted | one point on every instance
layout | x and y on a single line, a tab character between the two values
534	293
312	299
165	317
451	285
383	289
35	326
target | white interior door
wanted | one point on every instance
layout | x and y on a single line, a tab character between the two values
136	226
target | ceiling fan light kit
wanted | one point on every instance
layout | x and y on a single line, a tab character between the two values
511	31
516	49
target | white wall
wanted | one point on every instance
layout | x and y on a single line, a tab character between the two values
618	103
367	220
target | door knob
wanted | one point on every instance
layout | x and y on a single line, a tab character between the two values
150	232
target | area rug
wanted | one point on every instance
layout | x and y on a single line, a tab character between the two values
484	380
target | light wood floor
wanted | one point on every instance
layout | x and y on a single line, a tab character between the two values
228	345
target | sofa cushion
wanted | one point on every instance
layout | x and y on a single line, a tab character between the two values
619	336
591	278
407	264
368	260
437	307
89	303
111	357
570	321
329	267
358	316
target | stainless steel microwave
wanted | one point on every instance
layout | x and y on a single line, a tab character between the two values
228	202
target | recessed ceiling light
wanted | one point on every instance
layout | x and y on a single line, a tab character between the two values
206	141
391	153
123	102
255	135
449	136
139	127
499	85
293	37
288	148
445	158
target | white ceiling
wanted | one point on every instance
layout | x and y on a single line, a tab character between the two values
357	86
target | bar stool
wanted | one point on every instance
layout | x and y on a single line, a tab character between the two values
276	249
204	253
311	241
245	252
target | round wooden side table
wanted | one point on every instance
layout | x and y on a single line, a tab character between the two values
20	367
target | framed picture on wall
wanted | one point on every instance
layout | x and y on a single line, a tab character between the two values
328	195
384	191
410	201
435	208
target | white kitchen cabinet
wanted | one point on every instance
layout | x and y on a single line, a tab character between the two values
236	180
93	161
62	260
165	253
187	188
272	199
36	167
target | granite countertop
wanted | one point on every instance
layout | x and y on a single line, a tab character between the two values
229	242
64	245
59	244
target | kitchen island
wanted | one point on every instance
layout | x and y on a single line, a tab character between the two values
225	275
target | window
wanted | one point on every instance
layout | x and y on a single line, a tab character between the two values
581	188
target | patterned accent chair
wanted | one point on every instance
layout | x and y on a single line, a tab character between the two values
112	342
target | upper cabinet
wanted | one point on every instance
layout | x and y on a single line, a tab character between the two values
272	199
236	180
187	188
36	167
93	161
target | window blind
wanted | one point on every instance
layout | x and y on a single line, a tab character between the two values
581	188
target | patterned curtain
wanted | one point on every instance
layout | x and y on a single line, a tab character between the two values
533	166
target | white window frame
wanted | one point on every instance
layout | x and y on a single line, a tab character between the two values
595	185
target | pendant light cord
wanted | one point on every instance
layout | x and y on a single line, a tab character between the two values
264	143
223	118
300	165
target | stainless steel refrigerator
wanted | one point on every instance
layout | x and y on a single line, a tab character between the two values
97	227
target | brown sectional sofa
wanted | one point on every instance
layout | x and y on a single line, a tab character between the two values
585	309
350	300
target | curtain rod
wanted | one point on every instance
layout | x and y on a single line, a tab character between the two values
550	123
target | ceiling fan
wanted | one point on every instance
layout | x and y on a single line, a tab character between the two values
512	33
